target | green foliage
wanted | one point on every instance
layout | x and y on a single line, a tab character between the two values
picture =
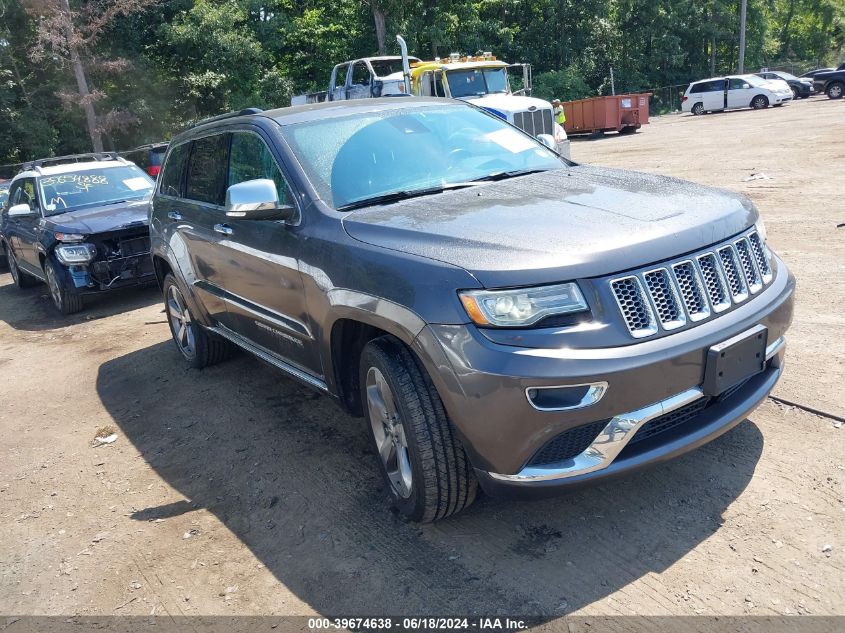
181	60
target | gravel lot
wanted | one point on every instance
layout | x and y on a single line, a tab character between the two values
235	491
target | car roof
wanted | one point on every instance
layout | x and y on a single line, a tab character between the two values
316	111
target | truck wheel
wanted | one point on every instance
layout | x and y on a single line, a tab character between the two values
759	102
423	464
198	346
698	109
835	90
65	300
19	278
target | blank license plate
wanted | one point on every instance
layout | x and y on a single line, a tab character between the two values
738	358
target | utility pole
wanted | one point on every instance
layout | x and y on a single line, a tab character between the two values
741	65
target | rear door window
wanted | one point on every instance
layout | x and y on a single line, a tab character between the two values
173	178
207	169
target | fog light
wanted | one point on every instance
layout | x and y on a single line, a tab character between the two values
565	397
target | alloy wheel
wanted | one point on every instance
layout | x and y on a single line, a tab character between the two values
13	267
389	433
835	91
53	283
181	324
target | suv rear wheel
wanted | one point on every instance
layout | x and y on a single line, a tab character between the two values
198	346
423	464
698	109
66	301
835	90
19	278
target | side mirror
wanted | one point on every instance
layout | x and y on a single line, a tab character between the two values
257	200
746	86
21	211
548	140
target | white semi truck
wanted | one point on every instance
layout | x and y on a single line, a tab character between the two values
482	80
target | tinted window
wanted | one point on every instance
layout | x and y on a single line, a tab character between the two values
207	168
173	175
23	192
738	84
251	159
157	155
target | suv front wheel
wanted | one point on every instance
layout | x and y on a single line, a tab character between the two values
66	301
198	346
423	464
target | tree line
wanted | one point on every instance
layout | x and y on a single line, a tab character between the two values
77	75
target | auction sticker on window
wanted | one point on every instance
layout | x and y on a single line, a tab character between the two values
136	184
511	140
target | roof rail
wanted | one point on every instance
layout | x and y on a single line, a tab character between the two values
228	115
70	158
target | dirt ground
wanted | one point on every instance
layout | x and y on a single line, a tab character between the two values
236	491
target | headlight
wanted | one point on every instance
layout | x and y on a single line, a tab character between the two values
521	306
70	254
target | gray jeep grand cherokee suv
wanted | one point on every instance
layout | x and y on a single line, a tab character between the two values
499	315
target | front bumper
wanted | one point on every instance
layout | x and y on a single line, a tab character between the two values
483	387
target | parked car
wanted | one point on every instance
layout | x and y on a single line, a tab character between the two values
810	74
831	82
801	88
4	196
147	157
734	91
78	223
499	314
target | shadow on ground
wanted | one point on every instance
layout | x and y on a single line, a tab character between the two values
295	480
31	309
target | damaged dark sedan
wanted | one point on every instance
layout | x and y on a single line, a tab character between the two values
79	224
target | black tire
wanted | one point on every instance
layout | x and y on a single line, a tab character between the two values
698	109
760	102
795	94
199	347
19	278
835	90
442	479
66	300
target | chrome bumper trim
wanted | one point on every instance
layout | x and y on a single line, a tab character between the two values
615	436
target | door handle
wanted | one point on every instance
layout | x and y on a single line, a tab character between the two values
223	229
174	215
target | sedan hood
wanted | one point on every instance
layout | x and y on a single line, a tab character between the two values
564	224
103	219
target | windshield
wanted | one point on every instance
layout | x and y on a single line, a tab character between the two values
754	80
784	75
355	158
475	82
92	187
4	195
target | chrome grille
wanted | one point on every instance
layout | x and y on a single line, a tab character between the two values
761	257
748	265
665	298
634	306
736	280
693	289
715	280
534	122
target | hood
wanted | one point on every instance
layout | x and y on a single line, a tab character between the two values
560	225
509	103
101	219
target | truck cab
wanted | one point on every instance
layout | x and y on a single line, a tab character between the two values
485	82
364	78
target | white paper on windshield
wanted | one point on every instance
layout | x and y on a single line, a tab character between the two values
511	140
136	184
50	207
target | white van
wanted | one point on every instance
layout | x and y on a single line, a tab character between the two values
734	91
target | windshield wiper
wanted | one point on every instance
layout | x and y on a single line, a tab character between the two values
396	196
503	175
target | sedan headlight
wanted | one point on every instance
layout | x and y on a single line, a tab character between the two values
761	229
70	254
522	306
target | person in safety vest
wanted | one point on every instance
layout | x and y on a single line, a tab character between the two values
560	116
